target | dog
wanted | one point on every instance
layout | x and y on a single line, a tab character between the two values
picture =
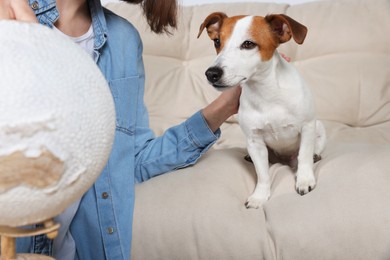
276	111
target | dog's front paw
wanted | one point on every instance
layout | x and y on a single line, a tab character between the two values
254	203
305	181
258	198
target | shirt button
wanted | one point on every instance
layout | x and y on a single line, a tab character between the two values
104	195
35	5
110	230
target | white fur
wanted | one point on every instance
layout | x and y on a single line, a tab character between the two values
276	110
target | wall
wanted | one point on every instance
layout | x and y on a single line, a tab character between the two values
199	2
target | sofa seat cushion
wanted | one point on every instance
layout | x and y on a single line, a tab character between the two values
199	212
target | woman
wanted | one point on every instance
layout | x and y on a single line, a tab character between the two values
100	224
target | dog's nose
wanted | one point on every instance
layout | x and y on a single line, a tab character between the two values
214	74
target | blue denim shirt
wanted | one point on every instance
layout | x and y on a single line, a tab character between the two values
102	226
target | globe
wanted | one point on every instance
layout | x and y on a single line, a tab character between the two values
57	123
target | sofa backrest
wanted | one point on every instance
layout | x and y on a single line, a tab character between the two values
345	59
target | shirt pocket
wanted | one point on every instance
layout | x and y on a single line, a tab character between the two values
125	93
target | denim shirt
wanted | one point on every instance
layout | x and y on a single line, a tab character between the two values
102	226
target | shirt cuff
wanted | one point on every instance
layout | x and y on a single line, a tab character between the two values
200	132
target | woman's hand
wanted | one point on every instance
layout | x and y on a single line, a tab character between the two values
17	10
222	108
285	57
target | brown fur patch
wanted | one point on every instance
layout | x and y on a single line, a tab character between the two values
263	37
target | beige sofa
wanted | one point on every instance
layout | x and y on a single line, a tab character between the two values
199	212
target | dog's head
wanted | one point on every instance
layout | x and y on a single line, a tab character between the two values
244	43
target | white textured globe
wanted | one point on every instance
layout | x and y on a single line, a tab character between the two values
57	123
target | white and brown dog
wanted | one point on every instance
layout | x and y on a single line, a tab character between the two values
276	112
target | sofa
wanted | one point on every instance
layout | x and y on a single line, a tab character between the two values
199	212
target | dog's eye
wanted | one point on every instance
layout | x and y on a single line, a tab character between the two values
217	43
248	45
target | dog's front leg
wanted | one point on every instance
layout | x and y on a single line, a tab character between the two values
259	154
305	175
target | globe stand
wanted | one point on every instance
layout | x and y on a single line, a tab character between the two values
9	235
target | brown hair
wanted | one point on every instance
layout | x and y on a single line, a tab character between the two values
160	14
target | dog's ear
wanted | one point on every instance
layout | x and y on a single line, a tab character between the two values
284	27
213	24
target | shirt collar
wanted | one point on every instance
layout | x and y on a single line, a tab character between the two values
45	10
47	14
98	23
40	6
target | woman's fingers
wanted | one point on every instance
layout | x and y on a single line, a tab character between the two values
17	10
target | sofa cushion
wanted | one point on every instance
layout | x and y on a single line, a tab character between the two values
199	212
345	217
344	59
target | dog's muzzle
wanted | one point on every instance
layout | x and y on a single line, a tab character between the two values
214	74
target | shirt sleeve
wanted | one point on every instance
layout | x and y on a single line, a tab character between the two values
180	146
